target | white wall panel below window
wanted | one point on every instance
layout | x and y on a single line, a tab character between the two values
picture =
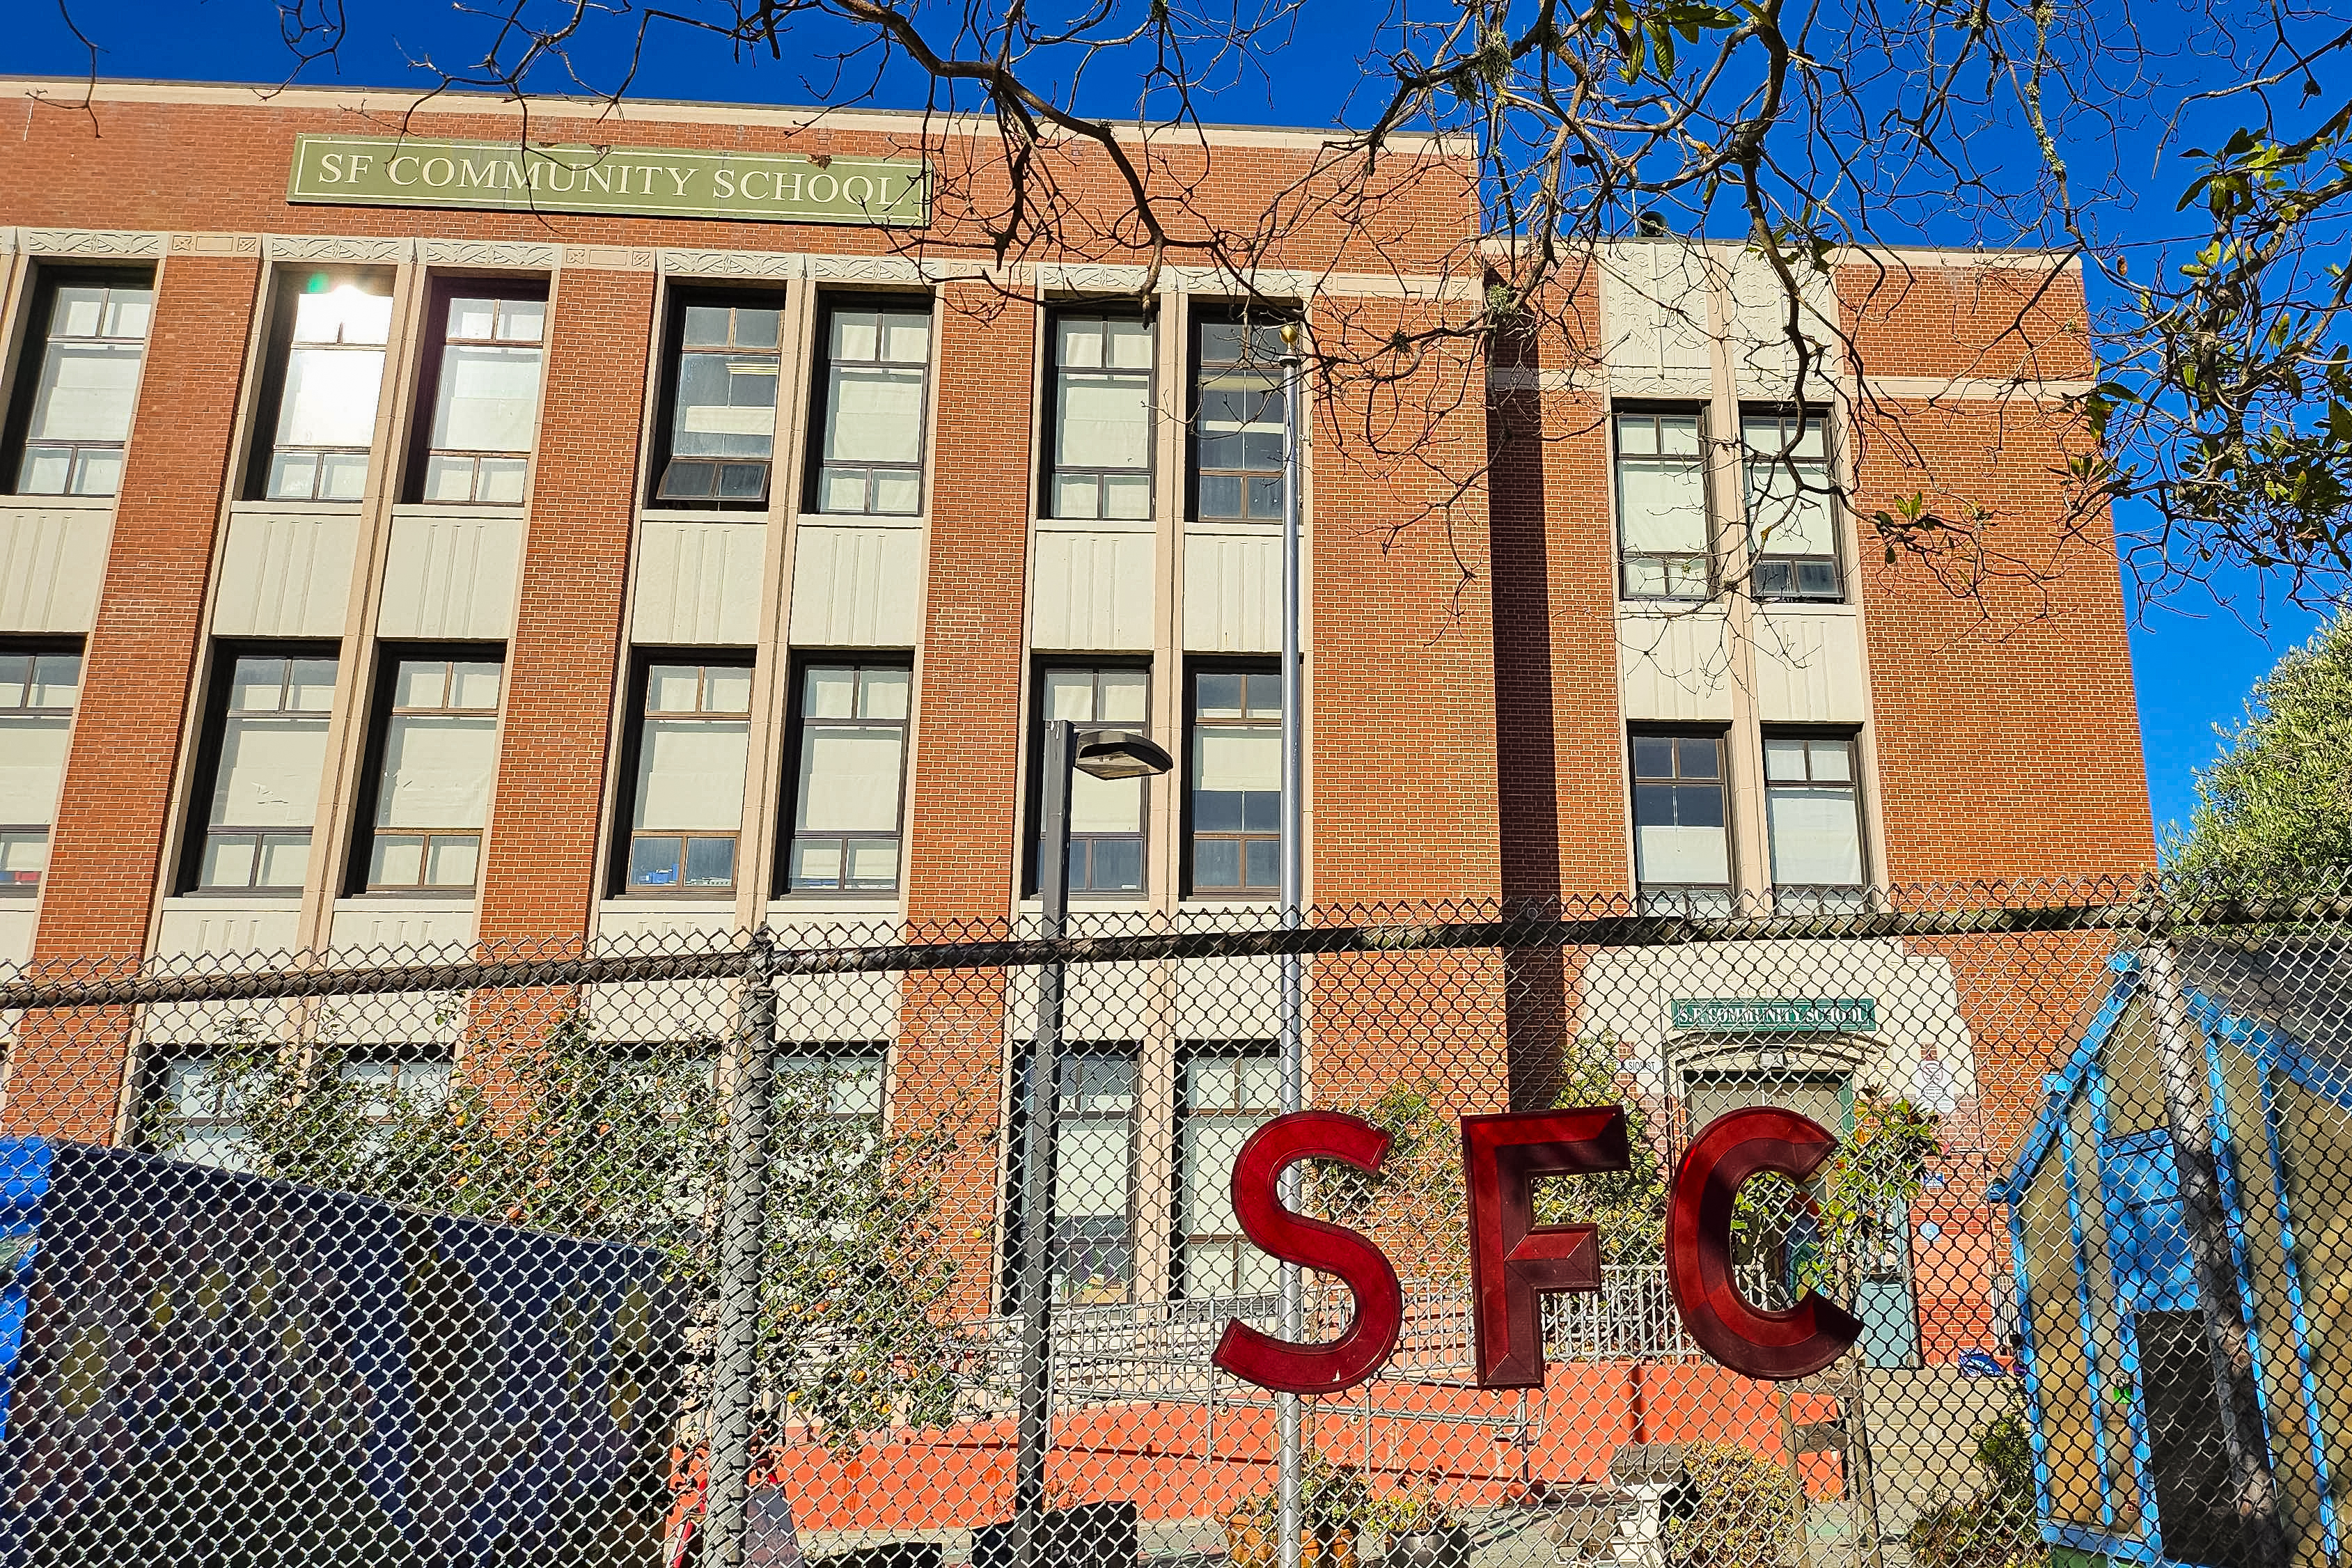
1674	666
216	928
1809	667
856	586
698	583
1233	592
1092	589
17	921
450	576
52	561
286	574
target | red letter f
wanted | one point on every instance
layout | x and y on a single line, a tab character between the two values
1514	1260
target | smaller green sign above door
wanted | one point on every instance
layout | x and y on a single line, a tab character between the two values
644	181
1776	1016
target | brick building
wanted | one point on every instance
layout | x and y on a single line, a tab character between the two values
379	571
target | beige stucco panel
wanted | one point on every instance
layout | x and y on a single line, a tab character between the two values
1093	589
1809	667
698	583
1674	666
450	576
52	562
286	574
856	586
1233	592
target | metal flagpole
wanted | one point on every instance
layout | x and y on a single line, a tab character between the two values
1294	1043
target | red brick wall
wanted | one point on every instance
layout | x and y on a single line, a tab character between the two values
113	811
539	874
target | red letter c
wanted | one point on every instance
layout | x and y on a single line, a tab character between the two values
1733	1147
1286	1365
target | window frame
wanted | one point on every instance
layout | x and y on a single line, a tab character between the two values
1180	1238
1195	363
642	661
432	351
671	381
1032	884
360	845
1785	415
795	754
1816	897
32	358
287	285
40	646
1014	1170
1617	454
1188	886
1049	404
1682	893
212	740
829	303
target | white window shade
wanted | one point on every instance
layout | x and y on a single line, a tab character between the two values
330	395
1791	517
850	784
690	776
1105	806
876	415
1236	759
86	393
1092	1170
1816	837
1662	506
437	772
32	760
1210	1150
1104	422
1700	855
270	771
488	400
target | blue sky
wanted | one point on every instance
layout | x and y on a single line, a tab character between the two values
2194	659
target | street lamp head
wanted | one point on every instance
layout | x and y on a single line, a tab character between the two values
1119	755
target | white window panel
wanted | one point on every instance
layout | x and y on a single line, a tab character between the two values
269	772
87	392
1664	506
437	772
488	400
1102	422
851	781
1236	759
690	776
876	415
331	397
31	760
1701	855
1816	836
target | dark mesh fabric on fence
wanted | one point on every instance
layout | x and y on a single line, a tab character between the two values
847	1243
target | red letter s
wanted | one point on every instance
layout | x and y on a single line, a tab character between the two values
1733	1147
1513	1260
1286	1365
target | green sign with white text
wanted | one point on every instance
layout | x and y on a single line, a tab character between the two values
1776	1016
643	182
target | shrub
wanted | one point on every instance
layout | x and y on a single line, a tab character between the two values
1995	1529
1742	1511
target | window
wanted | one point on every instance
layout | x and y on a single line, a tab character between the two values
1224	1094
1662	507
1106	815
1101	437
266	750
843	1083
722	425
876	372
1814	812
483	389
1238	416
194	1109
77	395
1090	1249
438	755
686	792
37	688
1236	797
845	803
1682	849
1792	514
319	401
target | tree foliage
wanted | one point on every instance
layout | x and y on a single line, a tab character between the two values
580	1136
2277	807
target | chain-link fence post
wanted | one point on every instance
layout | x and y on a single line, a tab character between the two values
742	1240
2188	1107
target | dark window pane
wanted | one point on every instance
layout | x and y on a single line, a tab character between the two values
1697	757
1118	864
653	863
1817	577
756	329
1216	811
706	326
710	863
1265	497
1772	578
1264	862
1265	696
687	481
1220	495
1262	811
1221	339
743	481
1654	805
1216	863
1698	805
1654	757
1220	696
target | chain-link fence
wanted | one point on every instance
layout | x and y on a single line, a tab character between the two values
747	1248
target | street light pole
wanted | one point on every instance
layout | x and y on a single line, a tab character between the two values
1102	754
1034	1434
1291	1436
